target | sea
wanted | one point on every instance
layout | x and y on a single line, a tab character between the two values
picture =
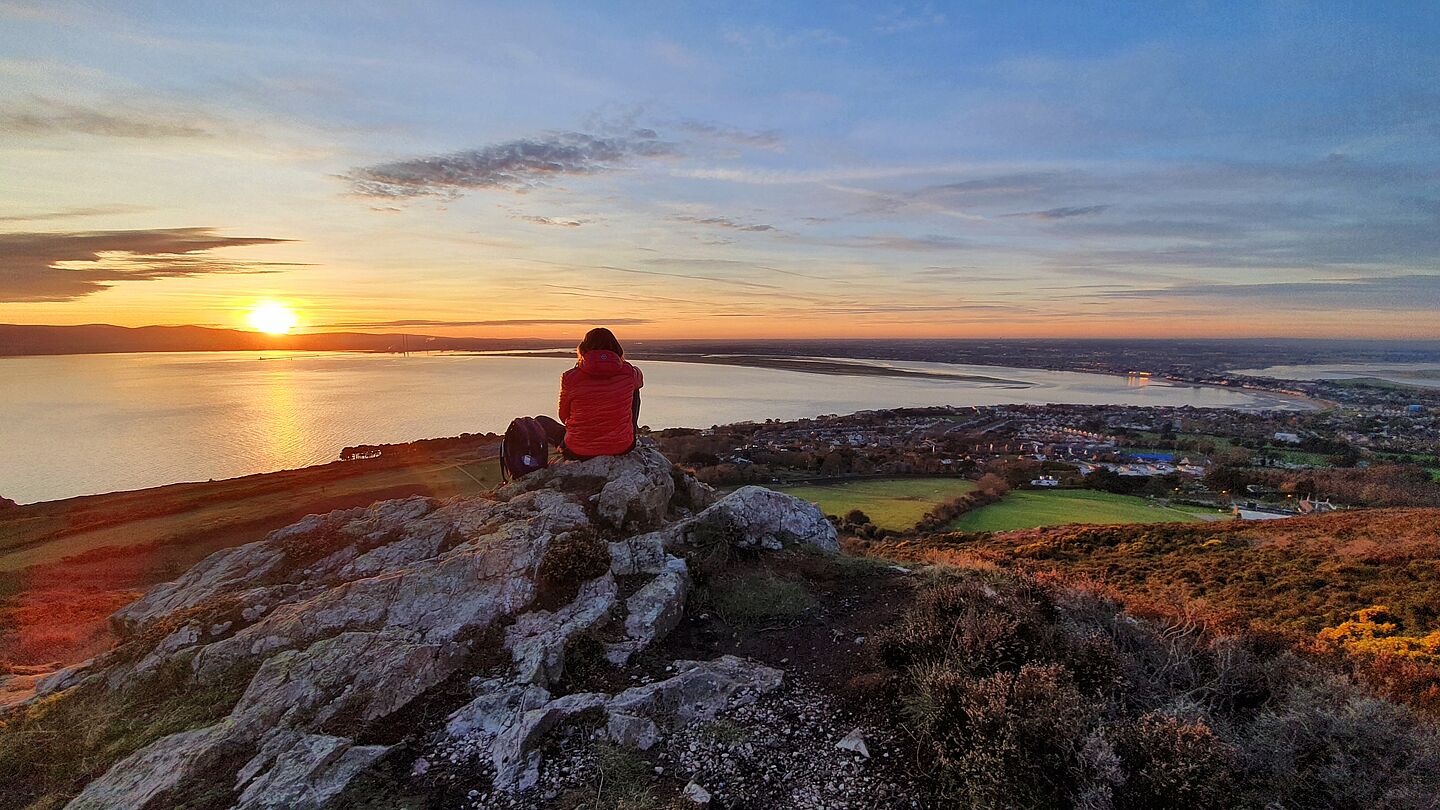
85	424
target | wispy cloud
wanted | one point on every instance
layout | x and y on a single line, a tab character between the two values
73	213
909	19
725	222
1404	292
516	165
554	221
33	12
733	282
439	324
928	242
765	139
1065	212
776	39
42	116
66	266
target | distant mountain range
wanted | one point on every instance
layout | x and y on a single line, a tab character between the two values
16	339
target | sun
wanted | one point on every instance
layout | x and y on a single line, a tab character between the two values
272	317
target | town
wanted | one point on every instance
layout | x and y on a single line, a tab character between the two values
1373	448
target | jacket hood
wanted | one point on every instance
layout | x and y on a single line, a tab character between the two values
601	363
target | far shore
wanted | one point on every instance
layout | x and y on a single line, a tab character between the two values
1264	398
802	364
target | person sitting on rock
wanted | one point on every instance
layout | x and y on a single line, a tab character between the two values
599	401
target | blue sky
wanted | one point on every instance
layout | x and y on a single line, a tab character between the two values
967	169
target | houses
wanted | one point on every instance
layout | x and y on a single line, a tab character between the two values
1310	506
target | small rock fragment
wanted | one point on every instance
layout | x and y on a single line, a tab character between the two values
697	794
854	741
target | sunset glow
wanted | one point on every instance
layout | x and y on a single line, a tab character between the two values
725	172
272	317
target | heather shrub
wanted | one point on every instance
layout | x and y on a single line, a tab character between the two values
570	560
978	625
1023	693
1401	679
1169	762
1011	738
1324	743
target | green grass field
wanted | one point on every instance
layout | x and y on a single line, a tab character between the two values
1301	457
891	503
1028	509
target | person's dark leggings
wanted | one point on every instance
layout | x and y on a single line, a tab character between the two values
555	431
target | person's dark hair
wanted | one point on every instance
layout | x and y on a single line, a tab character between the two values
600	338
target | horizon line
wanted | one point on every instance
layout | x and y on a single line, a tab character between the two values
746	339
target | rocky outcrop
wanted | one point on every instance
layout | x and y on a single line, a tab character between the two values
756	517
334	626
750	517
503	725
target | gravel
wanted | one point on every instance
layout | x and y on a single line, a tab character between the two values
773	751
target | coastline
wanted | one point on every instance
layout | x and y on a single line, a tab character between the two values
1266	398
807	365
1303	401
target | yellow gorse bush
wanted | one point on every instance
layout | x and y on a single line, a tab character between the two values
1369	632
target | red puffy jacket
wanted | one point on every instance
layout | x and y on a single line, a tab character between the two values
596	398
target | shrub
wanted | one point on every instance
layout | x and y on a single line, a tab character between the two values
1323	743
1401	679
570	560
1172	763
1008	739
970	619
1372	631
1030	693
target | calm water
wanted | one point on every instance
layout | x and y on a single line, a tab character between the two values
84	424
1421	374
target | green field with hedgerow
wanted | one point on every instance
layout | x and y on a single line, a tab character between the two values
890	503
1031	509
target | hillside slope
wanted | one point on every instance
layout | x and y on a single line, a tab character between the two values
608	635
1302	574
1360	586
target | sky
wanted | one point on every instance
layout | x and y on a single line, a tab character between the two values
705	170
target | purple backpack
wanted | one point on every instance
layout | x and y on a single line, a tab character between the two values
523	450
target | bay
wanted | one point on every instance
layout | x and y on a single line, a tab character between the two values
84	424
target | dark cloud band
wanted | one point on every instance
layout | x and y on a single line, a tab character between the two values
66	266
514	165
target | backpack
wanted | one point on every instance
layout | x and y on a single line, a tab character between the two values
523	450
